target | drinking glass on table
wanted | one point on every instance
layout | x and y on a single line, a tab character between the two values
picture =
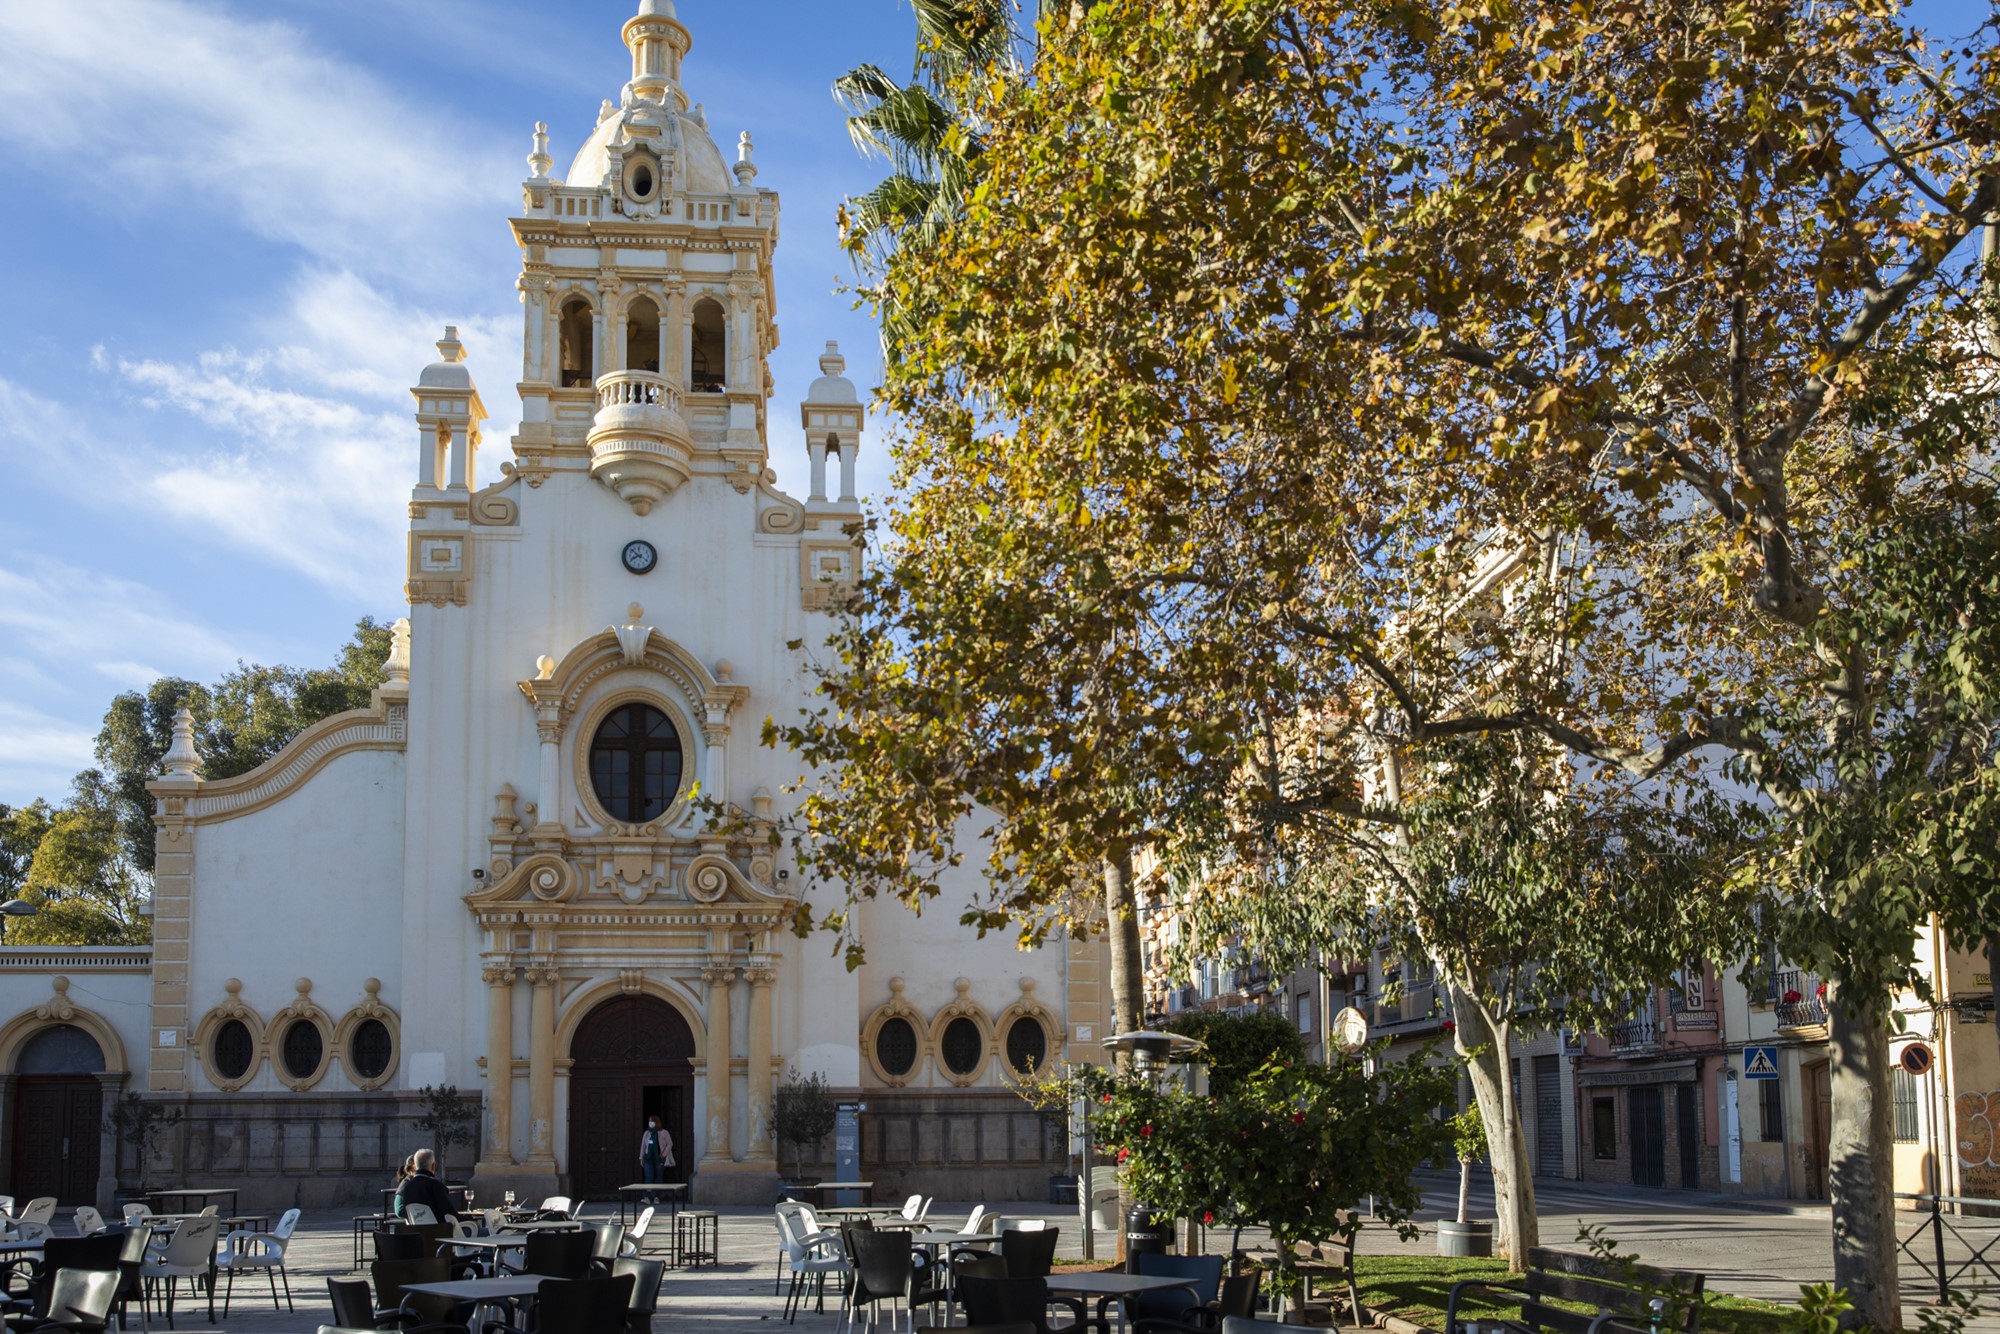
509	1199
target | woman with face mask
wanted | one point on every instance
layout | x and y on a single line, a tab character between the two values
656	1155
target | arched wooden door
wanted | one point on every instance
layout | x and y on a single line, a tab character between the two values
631	1058
58	1116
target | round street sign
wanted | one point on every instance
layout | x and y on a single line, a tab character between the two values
1917	1058
1350	1031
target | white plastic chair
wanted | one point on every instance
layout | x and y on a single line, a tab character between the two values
924	1214
258	1250
27	1231
136	1212
6	1207
419	1215
1026	1225
89	1222
555	1204
812	1256
41	1210
187	1256
637	1235
973	1221
913	1209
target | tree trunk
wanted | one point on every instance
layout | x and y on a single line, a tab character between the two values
1860	1153
1464	1190
1488	1049
1128	982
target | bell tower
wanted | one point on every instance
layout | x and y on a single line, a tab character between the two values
649	313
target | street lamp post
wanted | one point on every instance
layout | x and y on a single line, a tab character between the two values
14	908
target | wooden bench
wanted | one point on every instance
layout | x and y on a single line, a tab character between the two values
1622	1294
1331	1260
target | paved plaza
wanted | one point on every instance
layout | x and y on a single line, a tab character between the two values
1762	1250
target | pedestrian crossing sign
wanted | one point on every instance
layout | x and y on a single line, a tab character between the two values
1760	1062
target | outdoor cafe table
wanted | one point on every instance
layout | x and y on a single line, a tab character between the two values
204	1195
484	1291
867	1189
676	1192
1108	1288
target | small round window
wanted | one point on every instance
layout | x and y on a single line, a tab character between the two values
963	1046
896	1047
1027	1046
232	1050
635	763
302	1048
642	182
370	1049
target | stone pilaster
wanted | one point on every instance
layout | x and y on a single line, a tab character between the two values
499	1146
758	1094
542	1068
721	1051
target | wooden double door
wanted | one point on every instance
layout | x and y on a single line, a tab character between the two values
632	1058
58	1125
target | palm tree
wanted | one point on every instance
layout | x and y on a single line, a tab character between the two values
924	132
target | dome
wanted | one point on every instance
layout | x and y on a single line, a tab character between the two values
832	386
450	372
706	173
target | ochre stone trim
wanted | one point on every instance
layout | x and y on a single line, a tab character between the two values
205	1032
897	1007
343	1037
291	768
59	1009
964	1007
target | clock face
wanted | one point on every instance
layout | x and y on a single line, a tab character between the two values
640	557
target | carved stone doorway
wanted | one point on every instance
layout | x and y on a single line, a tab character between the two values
631	1057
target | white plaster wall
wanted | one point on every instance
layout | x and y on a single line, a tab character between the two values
307	887
123	999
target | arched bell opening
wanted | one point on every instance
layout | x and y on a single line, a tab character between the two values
578	350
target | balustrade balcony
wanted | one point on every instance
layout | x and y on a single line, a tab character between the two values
639	442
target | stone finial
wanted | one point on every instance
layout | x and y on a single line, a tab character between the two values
1027	987
539	161
896	985
182	761
606	111
304	987
745	168
725	671
635	612
830	361
545	668
396	667
964	987
760	801
450	350
700	115
373	986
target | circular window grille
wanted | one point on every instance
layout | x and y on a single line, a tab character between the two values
963	1046
896	1047
303	1047
1027	1046
370	1049
233	1049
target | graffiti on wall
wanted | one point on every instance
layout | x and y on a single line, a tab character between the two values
1977	1127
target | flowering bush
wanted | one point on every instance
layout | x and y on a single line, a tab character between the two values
1294	1148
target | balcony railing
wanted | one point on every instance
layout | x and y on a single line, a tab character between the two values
1799	998
1635	1035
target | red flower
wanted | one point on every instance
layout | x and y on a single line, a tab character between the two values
1146	1131
1822	991
1450	1026
1207	1218
1298	1118
1123	1154
1107	1100
1793	998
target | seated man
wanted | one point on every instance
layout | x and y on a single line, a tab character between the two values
423	1187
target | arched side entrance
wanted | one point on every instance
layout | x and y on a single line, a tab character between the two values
632	1057
58	1116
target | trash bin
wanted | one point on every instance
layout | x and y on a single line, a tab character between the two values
1146	1233
1062	1190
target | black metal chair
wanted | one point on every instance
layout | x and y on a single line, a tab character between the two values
882	1268
133	1243
960	1264
576	1306
60	1255
1017	1301
647	1276
1029	1254
414	1312
403	1243
1236	1300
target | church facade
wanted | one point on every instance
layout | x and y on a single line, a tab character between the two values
541	866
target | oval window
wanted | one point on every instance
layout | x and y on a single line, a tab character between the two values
635	764
232	1050
964	1046
896	1047
642	182
1027	1046
370	1049
303	1047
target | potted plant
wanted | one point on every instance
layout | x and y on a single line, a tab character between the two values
802	1115
449	1118
1465	1237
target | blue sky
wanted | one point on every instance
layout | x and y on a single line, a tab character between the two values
238	229
235	231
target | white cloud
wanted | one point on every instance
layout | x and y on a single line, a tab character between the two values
39	754
55	612
171	102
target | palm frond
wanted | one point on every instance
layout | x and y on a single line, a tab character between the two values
908	128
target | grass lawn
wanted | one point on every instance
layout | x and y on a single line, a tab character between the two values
1416	1288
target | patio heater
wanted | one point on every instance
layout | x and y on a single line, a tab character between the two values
1152	1054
